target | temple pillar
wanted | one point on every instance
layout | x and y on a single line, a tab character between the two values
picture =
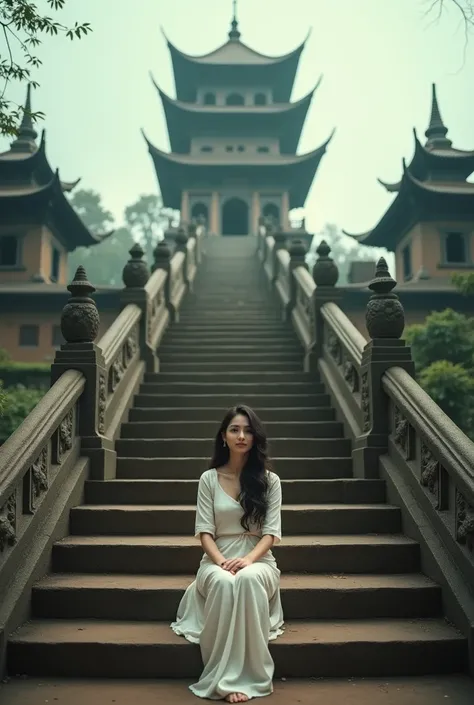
255	212
185	207
214	221
285	211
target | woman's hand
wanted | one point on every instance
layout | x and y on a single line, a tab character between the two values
233	565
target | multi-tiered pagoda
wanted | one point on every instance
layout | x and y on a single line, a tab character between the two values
234	134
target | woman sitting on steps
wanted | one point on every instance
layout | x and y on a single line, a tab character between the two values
233	607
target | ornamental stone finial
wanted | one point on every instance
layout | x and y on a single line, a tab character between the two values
384	316
161	255
325	271
80	318
135	273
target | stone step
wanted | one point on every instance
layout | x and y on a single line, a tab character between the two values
231	388
294	447
175	491
225	401
176	520
156	597
197	341
232	377
244	347
246	330
131	649
231	356
235	366
324	413
268	336
208	429
160	555
164	467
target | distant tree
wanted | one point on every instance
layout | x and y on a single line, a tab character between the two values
88	205
452	388
104	263
445	335
443	352
22	27
147	218
464	282
344	250
465	9
18	402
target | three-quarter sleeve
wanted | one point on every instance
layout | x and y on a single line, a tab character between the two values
272	523
205	522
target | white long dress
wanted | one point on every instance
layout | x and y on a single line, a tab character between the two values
233	617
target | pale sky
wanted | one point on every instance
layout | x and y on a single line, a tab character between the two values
378	59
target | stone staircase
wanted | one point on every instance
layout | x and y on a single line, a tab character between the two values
355	601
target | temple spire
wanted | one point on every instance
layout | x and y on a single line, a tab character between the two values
234	32
437	130
26	137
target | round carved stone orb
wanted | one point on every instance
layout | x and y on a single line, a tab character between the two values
325	271
80	321
135	273
181	238
385	317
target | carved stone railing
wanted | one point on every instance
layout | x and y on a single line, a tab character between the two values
283	280
399	433
436	460
69	436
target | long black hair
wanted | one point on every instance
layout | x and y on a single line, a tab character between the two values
253	495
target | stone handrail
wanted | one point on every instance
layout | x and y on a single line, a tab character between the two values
302	314
268	257
282	283
398	432
32	456
438	458
69	436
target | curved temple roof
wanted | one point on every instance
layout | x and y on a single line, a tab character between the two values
232	62
293	172
187	120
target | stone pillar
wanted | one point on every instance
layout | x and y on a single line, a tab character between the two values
161	260
325	276
182	246
297	252
80	326
255	212
214	218
135	275
385	321
184	206
285	211
280	243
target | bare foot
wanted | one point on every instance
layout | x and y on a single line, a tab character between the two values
236	698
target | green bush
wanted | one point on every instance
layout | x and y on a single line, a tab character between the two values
17	404
445	335
452	388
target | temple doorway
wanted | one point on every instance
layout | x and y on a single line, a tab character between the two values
235	217
270	209
200	209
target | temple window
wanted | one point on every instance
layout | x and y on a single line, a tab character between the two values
263	150
29	336
235	99
206	148
9	251
57	337
406	262
455	248
55	263
260	99
209	99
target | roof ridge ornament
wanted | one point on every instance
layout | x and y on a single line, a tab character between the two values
234	32
26	135
437	130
